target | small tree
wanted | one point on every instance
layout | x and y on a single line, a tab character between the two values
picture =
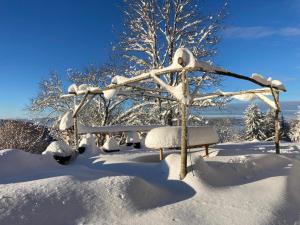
294	133
284	129
269	126
254	123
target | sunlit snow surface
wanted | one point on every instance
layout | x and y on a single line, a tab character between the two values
243	183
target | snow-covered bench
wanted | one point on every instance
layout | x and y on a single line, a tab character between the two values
170	137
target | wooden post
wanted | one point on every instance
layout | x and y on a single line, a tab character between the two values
161	154
75	127
206	150
75	133
183	164
277	123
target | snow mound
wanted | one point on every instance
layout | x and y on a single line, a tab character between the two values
170	137
89	142
237	170
111	144
58	148
14	162
132	137
66	121
144	195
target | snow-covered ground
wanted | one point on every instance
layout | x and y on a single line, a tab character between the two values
243	183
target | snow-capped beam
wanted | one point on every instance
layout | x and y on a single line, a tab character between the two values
267	101
230	94
144	94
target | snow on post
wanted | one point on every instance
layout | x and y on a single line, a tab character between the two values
66	121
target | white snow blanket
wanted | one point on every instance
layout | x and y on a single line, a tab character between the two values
59	148
170	137
241	183
89	142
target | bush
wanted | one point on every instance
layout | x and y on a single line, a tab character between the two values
22	135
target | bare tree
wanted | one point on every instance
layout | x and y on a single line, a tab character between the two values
153	30
100	111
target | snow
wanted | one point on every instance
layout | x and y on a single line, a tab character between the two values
72	89
114	129
119	79
89	142
245	97
132	137
178	94
59	148
83	87
190	61
109	94
66	121
242	183
170	137
274	83
111	144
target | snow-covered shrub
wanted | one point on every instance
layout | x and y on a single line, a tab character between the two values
254	123
294	133
58	148
24	135
227	131
269	126
285	128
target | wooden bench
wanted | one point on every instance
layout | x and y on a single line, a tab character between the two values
170	138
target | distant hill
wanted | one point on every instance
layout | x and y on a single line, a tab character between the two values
236	110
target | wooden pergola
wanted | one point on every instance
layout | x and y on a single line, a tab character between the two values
183	63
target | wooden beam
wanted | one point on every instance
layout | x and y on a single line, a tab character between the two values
230	94
184	137
266	100
277	124
77	108
75	127
144	94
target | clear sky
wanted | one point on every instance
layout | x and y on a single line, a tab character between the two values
39	36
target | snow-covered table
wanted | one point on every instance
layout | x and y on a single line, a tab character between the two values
170	137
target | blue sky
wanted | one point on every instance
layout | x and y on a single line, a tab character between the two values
39	36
